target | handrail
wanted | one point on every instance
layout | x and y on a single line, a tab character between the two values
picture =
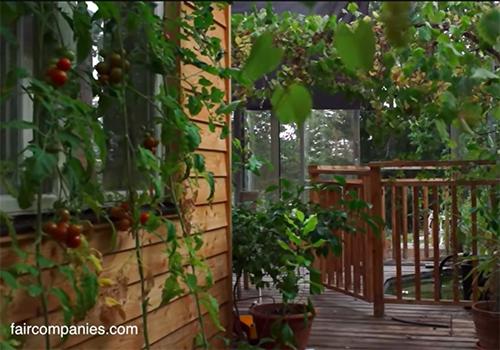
338	169
426	164
439	181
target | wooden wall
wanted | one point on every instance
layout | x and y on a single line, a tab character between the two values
172	326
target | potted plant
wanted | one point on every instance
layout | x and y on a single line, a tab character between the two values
277	246
486	312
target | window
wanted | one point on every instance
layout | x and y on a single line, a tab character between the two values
328	137
18	106
139	110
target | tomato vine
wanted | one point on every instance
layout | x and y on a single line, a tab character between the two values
69	138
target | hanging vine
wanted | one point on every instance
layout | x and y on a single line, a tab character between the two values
71	143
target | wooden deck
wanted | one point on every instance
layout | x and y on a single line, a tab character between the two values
344	322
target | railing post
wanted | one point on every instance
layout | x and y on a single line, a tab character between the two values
377	242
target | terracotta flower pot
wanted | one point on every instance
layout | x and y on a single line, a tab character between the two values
487	324
265	315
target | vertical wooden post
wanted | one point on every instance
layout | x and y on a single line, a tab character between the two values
367	244
378	243
435	242
475	290
404	201
416	242
425	214
454	241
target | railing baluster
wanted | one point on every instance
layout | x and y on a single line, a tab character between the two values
454	242
446	239
405	222
367	247
425	214
397	243
416	243
435	241
348	246
473	203
338	260
394	216
357	249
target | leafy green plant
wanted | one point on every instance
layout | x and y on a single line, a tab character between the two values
278	241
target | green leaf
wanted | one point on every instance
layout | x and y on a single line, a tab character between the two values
352	7
283	245
209	177
9	279
171	289
34	290
483	74
212	306
292	104
41	164
319	243
65	303
442	129
356	46
199	162
171	232
300	215
310	224
287	335
45	263
264	58
315	277
228	108
489	26
191	282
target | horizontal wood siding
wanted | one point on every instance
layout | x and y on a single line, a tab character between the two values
172	326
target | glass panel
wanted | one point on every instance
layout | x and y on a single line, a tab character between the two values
140	111
18	105
290	153
257	126
331	137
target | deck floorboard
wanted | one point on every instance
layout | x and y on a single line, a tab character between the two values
344	322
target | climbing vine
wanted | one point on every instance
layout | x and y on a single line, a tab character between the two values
419	68
117	47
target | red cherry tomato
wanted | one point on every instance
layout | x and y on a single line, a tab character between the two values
57	76
123	224
64	64
61	232
150	142
117	213
125	206
64	215
74	230
144	217
73	241
49	227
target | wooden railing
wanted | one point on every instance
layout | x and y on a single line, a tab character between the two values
349	272
428	222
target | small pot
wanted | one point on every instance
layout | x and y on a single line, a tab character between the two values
487	324
265	315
